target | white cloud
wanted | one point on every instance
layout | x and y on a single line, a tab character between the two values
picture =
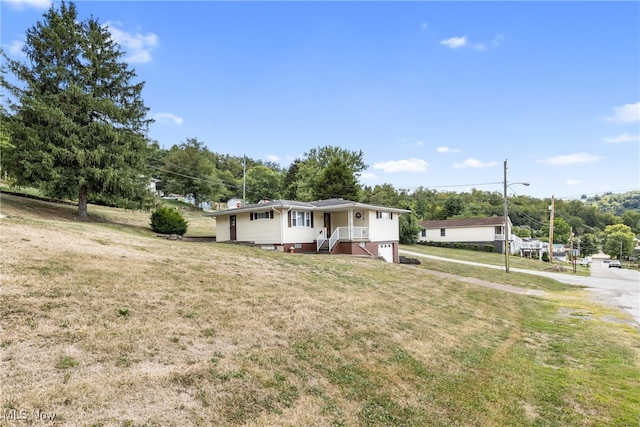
410	165
454	42
23	4
572	182
15	48
447	150
625	137
424	26
137	46
497	40
474	163
168	118
569	159
273	158
628	113
368	176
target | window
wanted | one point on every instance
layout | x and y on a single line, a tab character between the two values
442	232
384	215
424	233
261	215
301	219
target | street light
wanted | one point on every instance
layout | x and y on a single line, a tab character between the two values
506	217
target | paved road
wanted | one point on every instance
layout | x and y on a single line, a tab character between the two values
617	287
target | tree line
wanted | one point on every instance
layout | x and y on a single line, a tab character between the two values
74	125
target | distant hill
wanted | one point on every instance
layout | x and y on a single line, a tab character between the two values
616	203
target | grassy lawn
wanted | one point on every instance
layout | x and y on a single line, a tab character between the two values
102	323
493	258
198	224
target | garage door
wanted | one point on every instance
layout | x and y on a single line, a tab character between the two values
385	250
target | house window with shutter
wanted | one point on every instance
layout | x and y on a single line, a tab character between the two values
261	215
384	215
301	219
443	232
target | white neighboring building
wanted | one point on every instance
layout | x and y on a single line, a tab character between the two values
481	231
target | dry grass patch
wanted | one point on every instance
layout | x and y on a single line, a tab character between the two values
104	325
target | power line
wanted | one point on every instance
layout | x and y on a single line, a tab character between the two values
219	182
449	186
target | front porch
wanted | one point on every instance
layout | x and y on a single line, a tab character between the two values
326	243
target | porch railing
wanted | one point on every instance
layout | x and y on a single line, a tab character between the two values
348	234
322	237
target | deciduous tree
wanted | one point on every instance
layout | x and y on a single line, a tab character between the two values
618	240
189	170
263	184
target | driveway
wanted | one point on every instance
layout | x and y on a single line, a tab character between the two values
616	287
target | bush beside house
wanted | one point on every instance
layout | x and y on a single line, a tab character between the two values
167	220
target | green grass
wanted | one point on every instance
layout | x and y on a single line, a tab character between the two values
493	258
217	334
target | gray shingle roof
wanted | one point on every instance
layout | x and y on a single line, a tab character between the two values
332	204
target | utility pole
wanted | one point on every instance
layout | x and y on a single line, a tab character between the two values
244	180
572	258
551	230
506	222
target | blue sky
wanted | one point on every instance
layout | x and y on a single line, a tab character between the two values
436	94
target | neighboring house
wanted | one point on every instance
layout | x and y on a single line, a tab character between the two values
336	226
151	186
487	231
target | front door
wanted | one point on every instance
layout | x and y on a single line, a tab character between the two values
232	227
327	223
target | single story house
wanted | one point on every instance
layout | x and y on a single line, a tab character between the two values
335	226
483	231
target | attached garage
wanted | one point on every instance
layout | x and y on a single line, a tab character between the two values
385	250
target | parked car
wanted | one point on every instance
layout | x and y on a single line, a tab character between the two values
615	263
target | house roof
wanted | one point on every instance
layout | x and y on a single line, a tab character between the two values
320	205
463	222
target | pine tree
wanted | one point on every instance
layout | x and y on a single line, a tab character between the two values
78	124
337	181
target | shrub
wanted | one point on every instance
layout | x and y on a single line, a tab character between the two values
475	246
545	256
168	221
489	248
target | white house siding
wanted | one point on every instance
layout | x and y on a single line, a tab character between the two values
260	231
299	234
478	234
223	232
383	229
339	219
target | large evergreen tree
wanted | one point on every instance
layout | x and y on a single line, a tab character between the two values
337	181
77	120
310	170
